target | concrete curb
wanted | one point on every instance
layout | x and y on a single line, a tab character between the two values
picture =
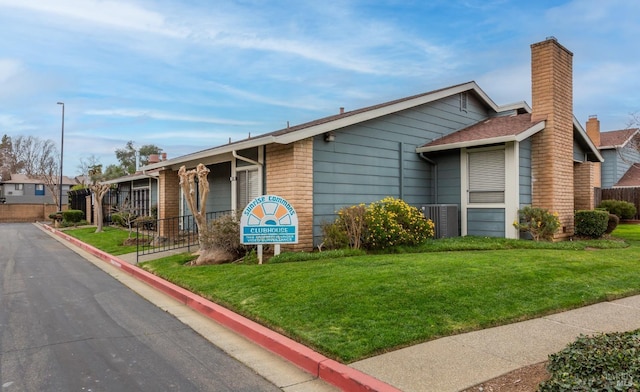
332	372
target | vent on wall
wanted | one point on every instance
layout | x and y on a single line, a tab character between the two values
444	217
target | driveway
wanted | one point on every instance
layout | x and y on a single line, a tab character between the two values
65	325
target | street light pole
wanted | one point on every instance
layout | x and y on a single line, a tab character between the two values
61	157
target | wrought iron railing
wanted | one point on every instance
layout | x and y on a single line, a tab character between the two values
161	235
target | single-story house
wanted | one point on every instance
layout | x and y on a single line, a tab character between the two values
452	146
138	192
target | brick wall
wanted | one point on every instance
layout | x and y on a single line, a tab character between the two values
552	149
168	202
289	173
585	174
27	212
593	130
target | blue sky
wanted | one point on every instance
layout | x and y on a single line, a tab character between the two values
189	75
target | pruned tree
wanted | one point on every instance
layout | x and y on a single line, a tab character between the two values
99	190
192	193
127	155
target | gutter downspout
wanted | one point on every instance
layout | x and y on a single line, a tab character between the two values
260	165
434	164
251	161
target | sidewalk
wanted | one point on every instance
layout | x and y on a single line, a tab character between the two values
445	365
461	361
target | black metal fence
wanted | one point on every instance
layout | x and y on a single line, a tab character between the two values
78	201
177	233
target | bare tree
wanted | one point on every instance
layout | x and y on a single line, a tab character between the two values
34	156
85	165
37	158
188	186
630	152
99	190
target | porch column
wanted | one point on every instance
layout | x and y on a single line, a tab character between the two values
168	202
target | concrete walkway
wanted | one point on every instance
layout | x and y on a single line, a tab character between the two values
461	361
445	365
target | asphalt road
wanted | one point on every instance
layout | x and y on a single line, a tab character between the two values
65	325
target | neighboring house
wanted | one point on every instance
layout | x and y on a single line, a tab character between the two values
621	156
22	189
451	146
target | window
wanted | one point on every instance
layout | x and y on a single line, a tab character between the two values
248	187
486	176
140	201
39	189
19	187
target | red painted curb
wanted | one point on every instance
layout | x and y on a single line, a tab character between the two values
333	372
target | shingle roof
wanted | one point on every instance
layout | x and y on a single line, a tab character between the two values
24	179
492	128
616	139
631	178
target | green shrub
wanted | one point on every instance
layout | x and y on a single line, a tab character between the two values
334	236
392	222
224	234
81	222
591	223
57	216
612	224
607	362
73	216
145	222
117	219
538	222
623	209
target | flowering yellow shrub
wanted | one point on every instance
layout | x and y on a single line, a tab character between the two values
392	222
385	223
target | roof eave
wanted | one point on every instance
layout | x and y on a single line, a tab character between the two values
383	111
220	150
483	142
587	140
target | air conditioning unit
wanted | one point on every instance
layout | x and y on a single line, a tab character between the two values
444	217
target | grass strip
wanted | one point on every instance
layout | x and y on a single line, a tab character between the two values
353	307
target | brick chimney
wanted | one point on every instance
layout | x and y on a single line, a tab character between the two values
593	130
552	149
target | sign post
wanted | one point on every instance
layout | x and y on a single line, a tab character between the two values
268	219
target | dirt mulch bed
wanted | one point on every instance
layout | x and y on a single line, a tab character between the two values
525	379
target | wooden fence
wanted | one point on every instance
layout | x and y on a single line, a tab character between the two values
632	195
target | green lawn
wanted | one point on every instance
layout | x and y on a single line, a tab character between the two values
353	307
110	240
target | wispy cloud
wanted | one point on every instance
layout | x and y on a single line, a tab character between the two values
157	115
112	14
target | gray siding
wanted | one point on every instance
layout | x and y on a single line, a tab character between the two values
525	173
448	178
609	168
29	196
377	158
578	152
219	198
616	163
486	222
154	193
